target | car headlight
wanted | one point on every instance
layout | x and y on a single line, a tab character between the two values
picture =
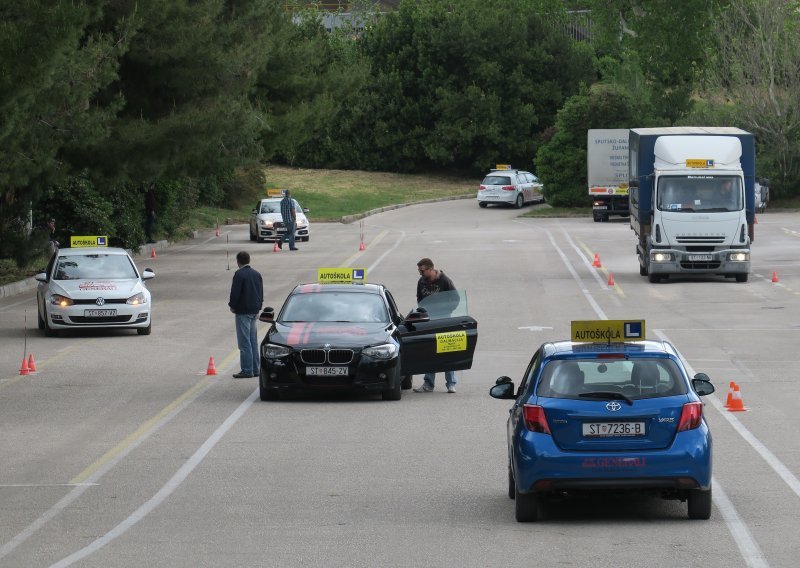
383	352
739	256
59	300
272	351
139	298
267	224
661	257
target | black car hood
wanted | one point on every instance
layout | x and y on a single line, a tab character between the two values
311	334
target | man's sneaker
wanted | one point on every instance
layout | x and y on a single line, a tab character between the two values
451	388
424	387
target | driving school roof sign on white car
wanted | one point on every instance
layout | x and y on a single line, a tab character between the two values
609	331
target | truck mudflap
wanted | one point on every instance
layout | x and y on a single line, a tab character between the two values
726	262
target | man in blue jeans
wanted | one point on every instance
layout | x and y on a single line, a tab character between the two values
432	281
247	295
289	217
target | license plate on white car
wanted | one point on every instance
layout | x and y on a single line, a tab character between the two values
700	257
611	429
326	371
99	313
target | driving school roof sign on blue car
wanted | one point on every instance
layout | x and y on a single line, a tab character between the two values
614	416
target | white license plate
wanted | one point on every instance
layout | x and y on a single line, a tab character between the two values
611	429
99	313
603	207
700	257
281	229
326	371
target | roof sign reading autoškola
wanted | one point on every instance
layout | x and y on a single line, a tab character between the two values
275	192
699	163
611	331
502	166
341	275
450	341
77	242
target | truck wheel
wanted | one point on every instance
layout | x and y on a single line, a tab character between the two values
654	278
642	270
741	277
519	202
596	218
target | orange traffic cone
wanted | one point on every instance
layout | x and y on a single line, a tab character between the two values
731	387
774	276
275	247
737	404
31	363
610	279
23	369
361	246
596	262
212	369
153	252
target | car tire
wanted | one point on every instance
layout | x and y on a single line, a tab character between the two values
49	331
408	382
267	394
40	321
512	484
526	507
305	239
394	393
482	204
741	277
252	236
699	504
145	330
519	202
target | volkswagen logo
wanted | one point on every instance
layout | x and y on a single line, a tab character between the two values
100	301
613	406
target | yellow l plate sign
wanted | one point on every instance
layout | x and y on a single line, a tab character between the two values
99	241
604	331
699	163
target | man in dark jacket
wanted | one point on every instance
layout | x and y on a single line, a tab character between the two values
432	281
289	217
247	295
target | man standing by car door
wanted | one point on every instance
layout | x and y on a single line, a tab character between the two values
432	281
247	295
289	215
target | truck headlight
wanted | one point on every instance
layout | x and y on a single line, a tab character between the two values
660	257
739	256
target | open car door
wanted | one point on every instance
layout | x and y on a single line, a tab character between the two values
438	335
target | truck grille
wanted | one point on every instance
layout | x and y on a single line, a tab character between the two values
705	265
711	240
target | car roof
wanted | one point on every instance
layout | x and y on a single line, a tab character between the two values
77	251
509	171
314	287
634	348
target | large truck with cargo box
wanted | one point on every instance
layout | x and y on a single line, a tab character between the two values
692	200
607	171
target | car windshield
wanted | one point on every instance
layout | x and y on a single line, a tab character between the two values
271	207
497	180
106	266
690	194
449	304
335	307
634	378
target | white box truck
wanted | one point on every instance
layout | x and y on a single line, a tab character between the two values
607	171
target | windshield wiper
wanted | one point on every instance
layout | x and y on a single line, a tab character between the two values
607	394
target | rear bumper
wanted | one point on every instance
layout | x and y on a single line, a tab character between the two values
509	199
539	465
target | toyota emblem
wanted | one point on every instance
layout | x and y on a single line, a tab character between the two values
613	406
100	301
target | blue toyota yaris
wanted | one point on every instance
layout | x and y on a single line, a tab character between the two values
607	417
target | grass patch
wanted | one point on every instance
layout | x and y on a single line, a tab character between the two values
10	272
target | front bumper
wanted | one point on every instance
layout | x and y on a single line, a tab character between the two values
288	374
684	262
74	317
540	465
272	234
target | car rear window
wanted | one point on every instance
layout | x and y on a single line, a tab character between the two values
497	180
637	378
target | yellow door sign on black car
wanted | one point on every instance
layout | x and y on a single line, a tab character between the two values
451	341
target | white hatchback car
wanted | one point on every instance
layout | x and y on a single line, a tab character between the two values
95	287
510	187
266	222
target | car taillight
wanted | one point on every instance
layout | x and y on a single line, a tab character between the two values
535	420
507	188
481	187
691	415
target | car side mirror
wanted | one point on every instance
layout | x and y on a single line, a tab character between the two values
701	384
503	380
254	211
41	277
503	391
267	315
305	209
148	273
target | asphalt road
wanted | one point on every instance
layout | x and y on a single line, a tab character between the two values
120	451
